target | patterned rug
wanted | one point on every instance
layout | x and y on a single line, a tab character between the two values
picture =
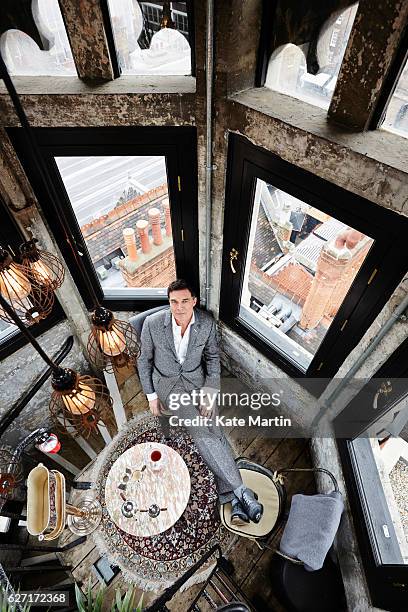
154	563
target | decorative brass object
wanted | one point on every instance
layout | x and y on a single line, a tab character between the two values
233	256
384	389
166	20
11	474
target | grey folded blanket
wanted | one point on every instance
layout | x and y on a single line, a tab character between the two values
312	525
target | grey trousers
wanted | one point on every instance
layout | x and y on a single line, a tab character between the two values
212	445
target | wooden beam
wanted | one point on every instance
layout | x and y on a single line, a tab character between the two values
84	24
373	44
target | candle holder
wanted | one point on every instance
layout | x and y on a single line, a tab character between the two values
85	517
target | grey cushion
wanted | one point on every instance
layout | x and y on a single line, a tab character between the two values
138	320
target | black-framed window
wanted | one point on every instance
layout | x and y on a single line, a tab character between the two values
11	338
372	434
125	209
306	265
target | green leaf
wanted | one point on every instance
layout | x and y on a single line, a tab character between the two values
140	604
99	600
128	597
89	596
118	598
79	598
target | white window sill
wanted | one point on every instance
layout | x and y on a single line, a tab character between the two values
382	146
28	85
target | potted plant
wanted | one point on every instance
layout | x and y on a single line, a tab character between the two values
93	602
10	606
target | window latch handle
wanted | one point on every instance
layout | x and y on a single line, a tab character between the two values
233	256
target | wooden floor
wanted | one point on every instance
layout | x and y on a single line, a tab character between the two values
250	563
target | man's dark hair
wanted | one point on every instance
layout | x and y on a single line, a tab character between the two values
178	285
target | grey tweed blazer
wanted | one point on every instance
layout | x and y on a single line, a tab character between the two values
159	368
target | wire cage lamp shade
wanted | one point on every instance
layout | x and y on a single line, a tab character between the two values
30	300
112	343
79	403
47	268
11	474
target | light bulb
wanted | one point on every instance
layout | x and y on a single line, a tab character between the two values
112	342
80	400
14	285
42	272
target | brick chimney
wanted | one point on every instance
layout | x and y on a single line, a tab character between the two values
154	218
166	208
142	228
130	242
330	268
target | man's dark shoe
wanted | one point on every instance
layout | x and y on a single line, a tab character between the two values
251	505
238	514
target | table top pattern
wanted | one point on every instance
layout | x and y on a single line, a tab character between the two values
135	493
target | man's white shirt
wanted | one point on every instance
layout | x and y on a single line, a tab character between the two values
180	344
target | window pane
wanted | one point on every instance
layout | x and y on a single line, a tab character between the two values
122	207
300	265
6	330
142	45
287	71
24	57
382	460
396	119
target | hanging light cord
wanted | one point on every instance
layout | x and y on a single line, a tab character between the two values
37	161
6	306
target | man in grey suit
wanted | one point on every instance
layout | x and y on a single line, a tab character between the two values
179	357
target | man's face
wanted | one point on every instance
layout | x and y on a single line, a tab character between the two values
182	304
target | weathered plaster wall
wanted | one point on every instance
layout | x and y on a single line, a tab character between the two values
369	164
22	369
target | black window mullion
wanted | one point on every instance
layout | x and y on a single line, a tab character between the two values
110	38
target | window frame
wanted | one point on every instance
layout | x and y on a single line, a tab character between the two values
16	340
367	295
388	583
390	84
177	144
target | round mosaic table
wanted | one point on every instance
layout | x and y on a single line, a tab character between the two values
143	501
154	562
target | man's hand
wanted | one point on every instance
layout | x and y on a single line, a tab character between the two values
205	409
207	402
155	407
